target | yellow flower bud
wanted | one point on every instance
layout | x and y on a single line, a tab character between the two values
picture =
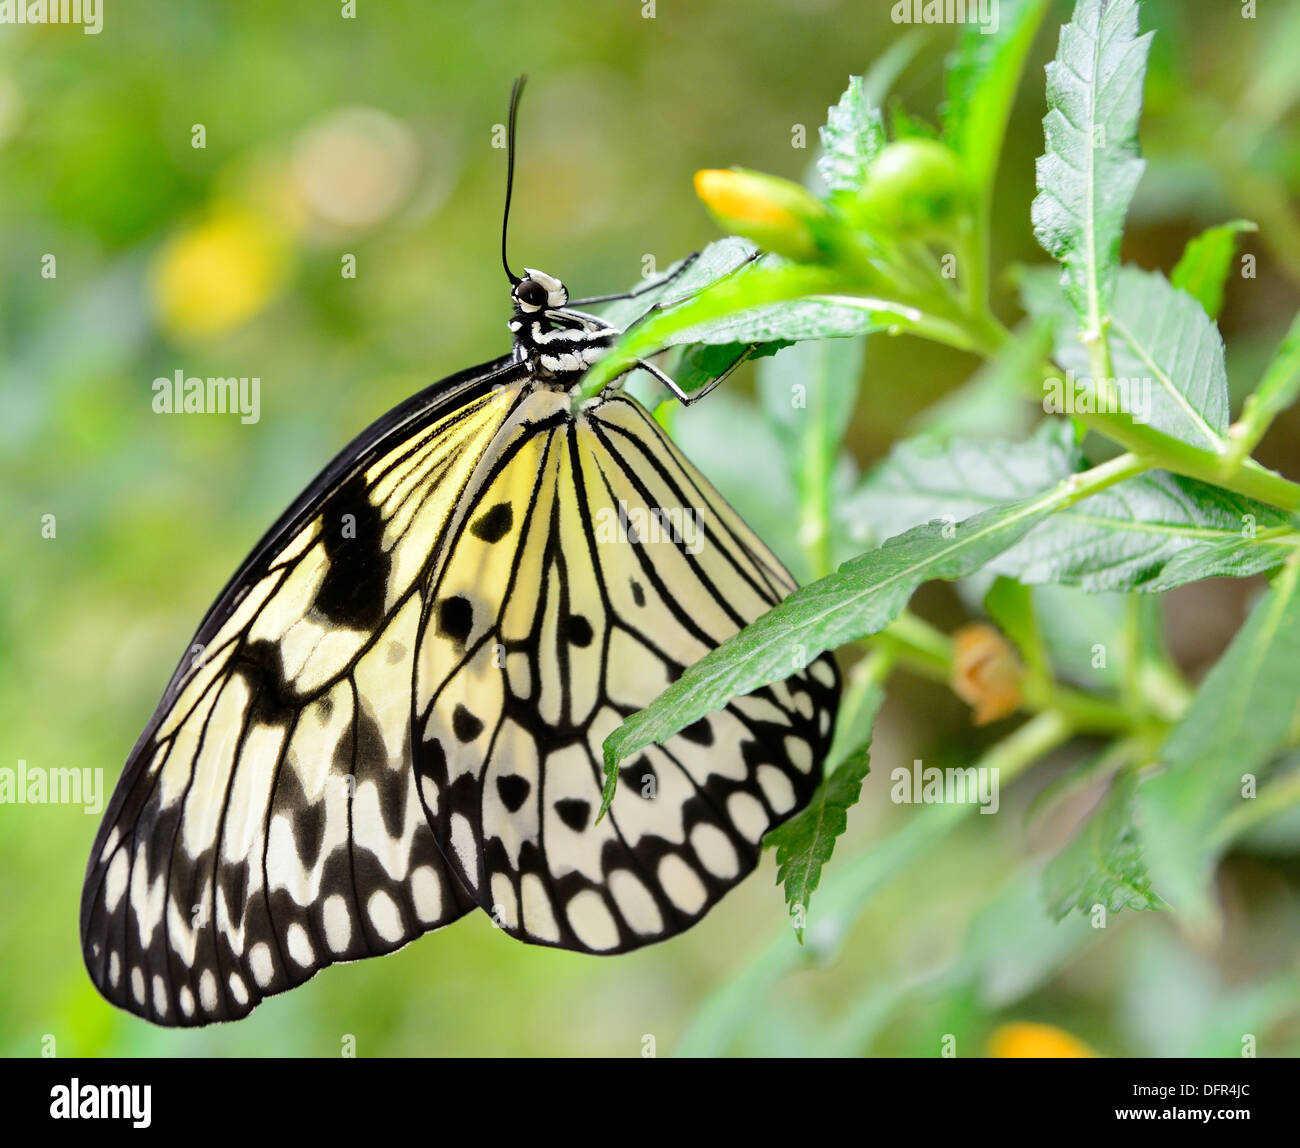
776	214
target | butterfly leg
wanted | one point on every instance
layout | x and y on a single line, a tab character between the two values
666	379
684	397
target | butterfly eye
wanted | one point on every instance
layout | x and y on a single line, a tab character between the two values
531	294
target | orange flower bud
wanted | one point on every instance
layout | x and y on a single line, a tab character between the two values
986	674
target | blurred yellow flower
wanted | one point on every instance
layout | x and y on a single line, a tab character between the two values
218	273
1025	1040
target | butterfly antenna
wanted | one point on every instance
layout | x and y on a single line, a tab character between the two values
515	93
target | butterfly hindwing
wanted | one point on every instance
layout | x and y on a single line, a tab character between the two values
564	602
266	823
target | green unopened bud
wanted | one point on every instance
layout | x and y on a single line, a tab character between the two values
915	188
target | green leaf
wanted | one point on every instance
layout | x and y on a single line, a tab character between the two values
1153	531
1277	390
923	480
1243	714
906	125
879	79
858	708
859	599
787	323
1230	557
852	135
804	844
1203	268
770	300
1102	865
716	261
700	363
983	74
809	392
1166	354
1087	176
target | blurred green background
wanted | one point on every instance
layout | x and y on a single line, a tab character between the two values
371	136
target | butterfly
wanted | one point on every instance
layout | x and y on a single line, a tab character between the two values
393	713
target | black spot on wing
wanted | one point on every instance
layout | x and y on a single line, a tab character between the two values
700	732
309	832
574	812
355	584
636	773
455	617
261	666
578	630
514	791
465	725
431	761
638	592
493	525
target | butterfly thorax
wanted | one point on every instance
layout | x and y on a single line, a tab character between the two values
556	342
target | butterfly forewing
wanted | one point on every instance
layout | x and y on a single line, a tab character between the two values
590	565
266	823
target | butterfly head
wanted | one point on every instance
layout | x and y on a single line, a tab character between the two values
537	291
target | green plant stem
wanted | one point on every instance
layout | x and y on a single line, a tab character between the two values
918	645
974	255
815	507
985	336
